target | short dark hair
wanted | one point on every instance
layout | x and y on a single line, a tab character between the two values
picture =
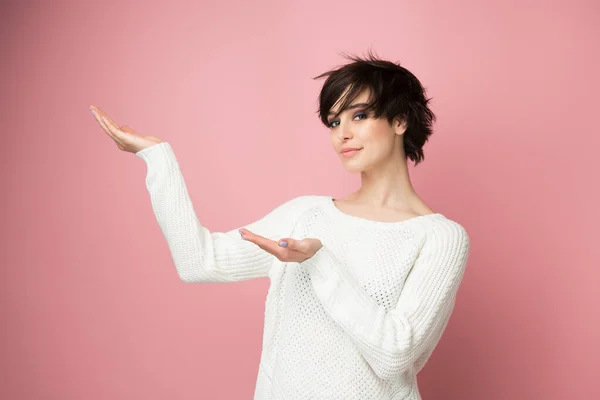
395	92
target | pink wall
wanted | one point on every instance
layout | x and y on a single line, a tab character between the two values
91	305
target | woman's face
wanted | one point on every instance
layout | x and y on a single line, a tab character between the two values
377	141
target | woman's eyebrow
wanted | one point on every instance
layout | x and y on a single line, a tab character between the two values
355	105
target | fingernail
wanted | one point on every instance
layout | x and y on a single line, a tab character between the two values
283	243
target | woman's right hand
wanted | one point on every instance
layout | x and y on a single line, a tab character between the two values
125	137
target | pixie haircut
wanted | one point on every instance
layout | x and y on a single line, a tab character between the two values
394	92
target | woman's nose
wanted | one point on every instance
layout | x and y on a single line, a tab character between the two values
345	131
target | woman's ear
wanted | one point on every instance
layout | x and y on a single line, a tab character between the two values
400	125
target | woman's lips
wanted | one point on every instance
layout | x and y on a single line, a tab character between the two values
350	153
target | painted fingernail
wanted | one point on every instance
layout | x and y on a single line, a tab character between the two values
283	243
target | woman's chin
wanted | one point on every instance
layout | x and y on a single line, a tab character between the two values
353	168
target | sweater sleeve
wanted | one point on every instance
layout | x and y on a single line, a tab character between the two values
199	255
392	341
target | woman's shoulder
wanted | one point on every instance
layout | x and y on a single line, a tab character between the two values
445	230
304	200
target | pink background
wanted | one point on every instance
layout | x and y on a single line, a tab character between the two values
91	305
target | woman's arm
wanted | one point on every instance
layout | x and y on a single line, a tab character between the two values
198	254
392	341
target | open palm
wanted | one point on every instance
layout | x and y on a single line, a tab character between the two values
125	137
292	250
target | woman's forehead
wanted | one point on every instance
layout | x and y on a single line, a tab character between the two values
362	97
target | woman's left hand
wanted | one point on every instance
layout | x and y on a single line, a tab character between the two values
294	251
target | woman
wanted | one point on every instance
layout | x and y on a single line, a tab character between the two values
362	287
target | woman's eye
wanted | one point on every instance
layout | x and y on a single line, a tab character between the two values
357	114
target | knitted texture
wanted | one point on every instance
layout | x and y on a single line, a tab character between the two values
358	320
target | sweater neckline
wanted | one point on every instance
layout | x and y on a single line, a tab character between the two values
330	206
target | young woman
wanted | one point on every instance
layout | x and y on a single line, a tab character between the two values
362	287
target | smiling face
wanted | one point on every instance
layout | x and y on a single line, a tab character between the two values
377	141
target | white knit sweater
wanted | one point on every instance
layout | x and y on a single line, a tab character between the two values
358	320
